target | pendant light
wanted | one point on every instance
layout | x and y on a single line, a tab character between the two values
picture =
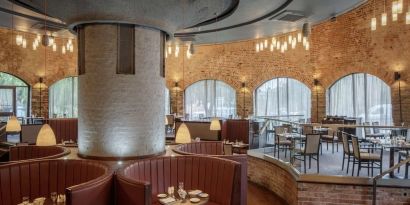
408	15
373	23
46	136
257	47
265	43
13	125
215	124
299	37
394	11
384	15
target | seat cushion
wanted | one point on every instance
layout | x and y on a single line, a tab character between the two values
328	137
285	142
369	156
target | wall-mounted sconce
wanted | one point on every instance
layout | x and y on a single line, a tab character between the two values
397	77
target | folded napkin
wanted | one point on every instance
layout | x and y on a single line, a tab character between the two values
194	192
167	200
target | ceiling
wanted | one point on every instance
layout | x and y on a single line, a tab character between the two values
249	19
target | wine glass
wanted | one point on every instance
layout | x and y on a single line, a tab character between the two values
181	185
53	197
26	200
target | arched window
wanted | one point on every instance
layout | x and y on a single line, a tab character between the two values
284	98
210	98
14	96
167	102
63	98
360	95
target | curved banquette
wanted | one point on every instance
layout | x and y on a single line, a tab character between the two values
139	183
215	149
31	152
84	182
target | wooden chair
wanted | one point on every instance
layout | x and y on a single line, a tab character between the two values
281	143
368	132
331	137
310	150
347	154
228	149
366	159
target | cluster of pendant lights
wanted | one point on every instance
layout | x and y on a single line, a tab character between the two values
397	9
189	51
46	40
283	43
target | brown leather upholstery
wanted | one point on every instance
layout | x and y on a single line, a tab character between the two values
64	128
199	129
205	147
214	148
233	130
218	177
36	152
84	182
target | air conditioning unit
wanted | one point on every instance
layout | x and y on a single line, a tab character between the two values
289	16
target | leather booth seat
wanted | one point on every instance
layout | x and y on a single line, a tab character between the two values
31	152
139	183
64	128
215	149
84	182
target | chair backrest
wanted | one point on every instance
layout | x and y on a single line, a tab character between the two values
356	145
332	132
279	130
307	130
408	135
367	130
170	119
228	149
376	130
312	144
346	148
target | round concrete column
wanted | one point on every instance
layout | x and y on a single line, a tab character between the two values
120	115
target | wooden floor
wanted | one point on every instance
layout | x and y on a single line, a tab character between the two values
258	195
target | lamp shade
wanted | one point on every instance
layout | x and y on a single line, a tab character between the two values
183	135
13	125
215	125
46	136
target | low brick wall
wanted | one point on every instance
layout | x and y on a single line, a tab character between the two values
284	181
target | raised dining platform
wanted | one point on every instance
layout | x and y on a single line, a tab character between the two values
296	188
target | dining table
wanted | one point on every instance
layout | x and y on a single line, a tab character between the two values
178	201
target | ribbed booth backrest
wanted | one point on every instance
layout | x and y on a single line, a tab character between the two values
204	147
64	128
36	152
71	177
219	178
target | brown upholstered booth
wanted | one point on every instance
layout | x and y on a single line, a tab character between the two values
64	128
31	152
199	129
215	149
139	183
84	182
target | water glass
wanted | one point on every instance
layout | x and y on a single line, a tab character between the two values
53	197
181	185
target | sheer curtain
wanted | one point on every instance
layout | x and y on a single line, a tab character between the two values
63	98
167	102
283	97
21	95
361	96
209	98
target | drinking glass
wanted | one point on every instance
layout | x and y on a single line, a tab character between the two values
181	185
53	197
26	200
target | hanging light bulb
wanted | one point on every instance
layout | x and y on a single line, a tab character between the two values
54	47
271	47
188	54
169	49
261	46
38	38
266	43
307	45
384	19
51	41
374	24
70	41
176	51
63	49
24	43
257	47
408	17
282	48
399	6
166	54
394	9
34	46
274	41
71	48
277	45
294	41
304	41
19	40
299	37
285	45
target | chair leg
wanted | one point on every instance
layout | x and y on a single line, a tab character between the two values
406	171
304	162
368	168
286	150
333	147
348	163
398	161
317	162
354	162
381	166
327	145
343	161
359	165
310	161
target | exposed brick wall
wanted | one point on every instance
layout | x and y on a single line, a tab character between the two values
337	48
30	65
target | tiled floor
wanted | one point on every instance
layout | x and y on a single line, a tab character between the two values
331	163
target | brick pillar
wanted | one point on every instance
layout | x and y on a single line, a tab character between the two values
121	116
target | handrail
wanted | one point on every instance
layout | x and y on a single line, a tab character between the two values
384	173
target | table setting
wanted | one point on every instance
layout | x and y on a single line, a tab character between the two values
55	199
196	197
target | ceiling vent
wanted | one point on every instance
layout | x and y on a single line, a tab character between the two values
47	27
186	38
290	16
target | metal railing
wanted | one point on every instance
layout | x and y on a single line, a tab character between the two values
391	169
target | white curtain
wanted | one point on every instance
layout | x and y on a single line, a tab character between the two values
361	96
283	97
210	98
21	96
63	98
167	102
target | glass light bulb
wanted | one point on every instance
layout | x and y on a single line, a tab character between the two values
408	17
394	17
70	41
188	54
394	7
400	6
307	46
34	46
71	48
166	54
273	40
384	19
54	47
176	51
169	49
63	50
24	43
261	46
290	39
271	47
374	24
304	41
299	37
266	43
257	47
19	40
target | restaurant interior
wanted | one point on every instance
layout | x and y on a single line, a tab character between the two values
218	102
